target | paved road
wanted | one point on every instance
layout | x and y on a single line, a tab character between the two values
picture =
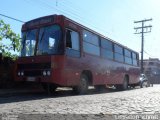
65	104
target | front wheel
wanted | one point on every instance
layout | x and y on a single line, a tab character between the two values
82	88
144	84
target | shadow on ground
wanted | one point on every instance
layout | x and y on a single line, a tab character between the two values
29	93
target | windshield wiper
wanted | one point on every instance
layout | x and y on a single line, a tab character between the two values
42	36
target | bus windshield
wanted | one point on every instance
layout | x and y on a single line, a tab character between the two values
49	41
28	43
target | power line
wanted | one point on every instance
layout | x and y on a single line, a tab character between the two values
12	18
148	54
69	13
77	9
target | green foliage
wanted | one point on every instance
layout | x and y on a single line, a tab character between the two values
14	40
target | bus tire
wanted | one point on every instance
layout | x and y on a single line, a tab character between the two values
124	85
82	88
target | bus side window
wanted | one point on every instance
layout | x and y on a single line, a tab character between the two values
68	39
72	43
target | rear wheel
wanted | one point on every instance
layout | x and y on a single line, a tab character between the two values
82	88
124	85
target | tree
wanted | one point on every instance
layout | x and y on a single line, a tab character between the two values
6	34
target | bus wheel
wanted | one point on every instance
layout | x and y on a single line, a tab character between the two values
82	88
125	84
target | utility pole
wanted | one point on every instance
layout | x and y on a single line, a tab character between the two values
141	30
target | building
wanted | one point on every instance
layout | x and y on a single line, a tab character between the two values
152	69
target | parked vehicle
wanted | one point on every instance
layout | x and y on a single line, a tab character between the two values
143	81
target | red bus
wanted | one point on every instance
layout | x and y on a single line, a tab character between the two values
57	51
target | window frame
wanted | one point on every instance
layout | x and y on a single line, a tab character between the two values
135	59
127	52
106	52
128	56
118	46
118	53
89	43
70	51
108	48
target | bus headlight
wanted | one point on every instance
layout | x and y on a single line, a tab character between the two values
22	73
19	73
44	73
48	73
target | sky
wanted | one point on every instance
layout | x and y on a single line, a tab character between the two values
112	18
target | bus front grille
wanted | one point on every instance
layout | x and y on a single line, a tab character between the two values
33	73
29	66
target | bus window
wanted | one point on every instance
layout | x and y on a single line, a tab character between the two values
49	41
118	49
118	53
107	54
106	49
91	43
106	44
119	57
28	43
68	39
72	43
127	55
134	56
135	59
128	60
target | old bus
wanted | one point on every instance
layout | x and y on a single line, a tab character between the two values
57	51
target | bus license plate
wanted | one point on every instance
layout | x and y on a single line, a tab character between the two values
31	78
